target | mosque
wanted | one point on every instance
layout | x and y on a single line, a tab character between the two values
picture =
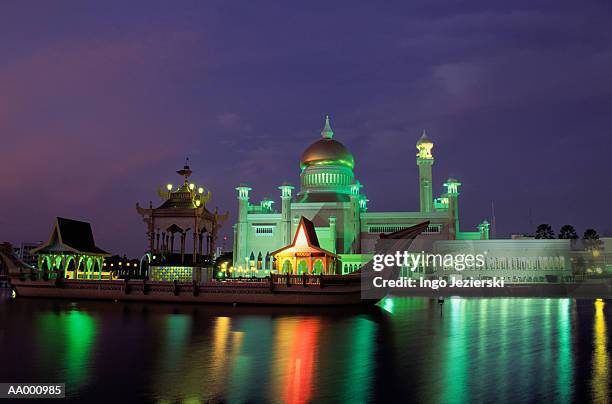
331	206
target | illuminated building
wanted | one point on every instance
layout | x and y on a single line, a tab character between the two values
176	232
333	200
516	261
72	252
304	253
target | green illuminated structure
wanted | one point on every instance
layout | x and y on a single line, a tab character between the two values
425	162
332	198
71	252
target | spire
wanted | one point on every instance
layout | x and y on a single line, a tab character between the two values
327	131
186	171
424	138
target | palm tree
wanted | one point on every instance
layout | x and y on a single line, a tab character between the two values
568	232
544	231
591	240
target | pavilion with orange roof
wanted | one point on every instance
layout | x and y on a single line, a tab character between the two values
304	255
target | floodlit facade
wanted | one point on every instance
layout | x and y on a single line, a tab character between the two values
332	198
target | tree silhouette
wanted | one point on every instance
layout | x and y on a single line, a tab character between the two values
568	232
544	231
591	240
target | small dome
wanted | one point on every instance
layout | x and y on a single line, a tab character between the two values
327	151
424	140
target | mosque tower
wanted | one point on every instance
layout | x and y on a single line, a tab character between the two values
241	232
286	190
425	161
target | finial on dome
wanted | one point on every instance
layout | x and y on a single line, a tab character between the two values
327	131
186	171
424	139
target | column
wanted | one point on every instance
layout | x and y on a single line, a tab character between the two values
332	233
183	247
452	193
195	245
286	190
242	230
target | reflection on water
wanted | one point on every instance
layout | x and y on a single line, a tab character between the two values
406	349
295	358
601	364
64	344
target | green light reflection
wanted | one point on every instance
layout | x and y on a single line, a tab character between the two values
66	341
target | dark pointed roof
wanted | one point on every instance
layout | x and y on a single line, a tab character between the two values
70	235
311	234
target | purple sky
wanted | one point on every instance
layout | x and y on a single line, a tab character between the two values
100	102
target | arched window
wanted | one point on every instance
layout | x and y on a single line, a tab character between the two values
70	265
318	267
302	267
287	269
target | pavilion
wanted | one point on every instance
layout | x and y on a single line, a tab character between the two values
182	215
71	252
304	255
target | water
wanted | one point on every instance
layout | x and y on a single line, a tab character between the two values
407	349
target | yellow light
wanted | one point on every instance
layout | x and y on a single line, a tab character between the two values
111	265
200	190
169	187
120	263
198	202
191	186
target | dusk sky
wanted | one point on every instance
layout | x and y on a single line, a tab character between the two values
100	103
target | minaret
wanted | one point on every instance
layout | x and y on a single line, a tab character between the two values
332	233
483	229
452	193
425	160
355	220
286	190
242	230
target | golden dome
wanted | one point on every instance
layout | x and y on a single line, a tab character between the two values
327	151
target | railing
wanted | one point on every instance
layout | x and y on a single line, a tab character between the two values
304	280
232	285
